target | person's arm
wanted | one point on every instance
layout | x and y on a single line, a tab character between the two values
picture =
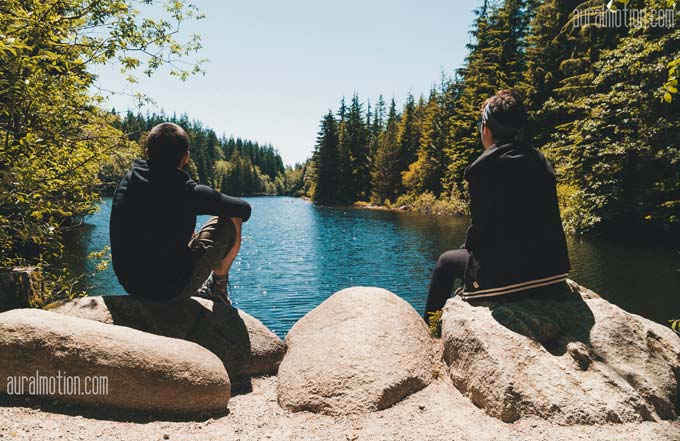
212	202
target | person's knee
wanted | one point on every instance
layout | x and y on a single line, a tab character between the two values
217	237
225	229
445	261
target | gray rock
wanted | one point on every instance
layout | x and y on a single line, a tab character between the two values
245	346
363	349
565	355
144	372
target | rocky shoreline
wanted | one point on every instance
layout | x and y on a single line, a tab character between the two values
361	365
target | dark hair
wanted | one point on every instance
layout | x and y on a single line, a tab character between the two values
166	144
505	114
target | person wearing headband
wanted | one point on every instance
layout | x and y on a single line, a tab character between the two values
515	244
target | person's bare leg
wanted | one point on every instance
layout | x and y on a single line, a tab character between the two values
222	269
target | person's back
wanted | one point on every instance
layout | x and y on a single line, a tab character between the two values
516	242
153	218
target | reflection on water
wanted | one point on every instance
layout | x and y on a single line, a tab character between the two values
294	255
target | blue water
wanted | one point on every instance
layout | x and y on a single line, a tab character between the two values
294	255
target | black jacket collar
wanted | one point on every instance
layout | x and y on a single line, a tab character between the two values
507	157
147	171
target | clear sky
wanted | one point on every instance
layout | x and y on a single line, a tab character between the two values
277	66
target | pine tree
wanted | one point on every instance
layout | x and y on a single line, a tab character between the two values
425	175
507	34
551	37
386	173
560	64
377	125
355	143
344	160
408	137
326	160
368	124
496	61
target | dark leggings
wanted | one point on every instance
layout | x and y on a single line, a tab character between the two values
450	266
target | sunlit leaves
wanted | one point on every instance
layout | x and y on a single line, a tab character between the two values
434	323
675	325
613	5
670	87
614	143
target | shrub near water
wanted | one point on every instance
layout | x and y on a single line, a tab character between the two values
427	203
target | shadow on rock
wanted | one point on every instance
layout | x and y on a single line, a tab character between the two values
563	354
107	414
216	327
556	317
244	345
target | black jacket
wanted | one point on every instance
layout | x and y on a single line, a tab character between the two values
516	241
153	217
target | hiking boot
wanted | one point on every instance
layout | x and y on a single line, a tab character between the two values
215	290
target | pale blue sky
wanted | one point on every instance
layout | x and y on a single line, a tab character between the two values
276	67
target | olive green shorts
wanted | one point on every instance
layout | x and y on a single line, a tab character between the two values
208	247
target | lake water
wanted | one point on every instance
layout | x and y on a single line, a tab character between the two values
294	255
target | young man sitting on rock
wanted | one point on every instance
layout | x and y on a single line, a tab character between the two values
516	242
154	250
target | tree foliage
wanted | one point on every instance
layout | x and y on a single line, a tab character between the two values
327	161
602	108
54	135
233	165
618	154
386	173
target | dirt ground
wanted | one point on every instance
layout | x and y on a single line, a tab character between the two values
438	412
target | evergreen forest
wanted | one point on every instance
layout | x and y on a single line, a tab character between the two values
602	108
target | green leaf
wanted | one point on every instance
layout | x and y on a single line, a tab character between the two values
675	325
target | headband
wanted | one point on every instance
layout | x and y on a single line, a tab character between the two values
499	130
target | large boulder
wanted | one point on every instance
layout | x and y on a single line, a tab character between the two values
565	355
115	366
245	346
362	349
